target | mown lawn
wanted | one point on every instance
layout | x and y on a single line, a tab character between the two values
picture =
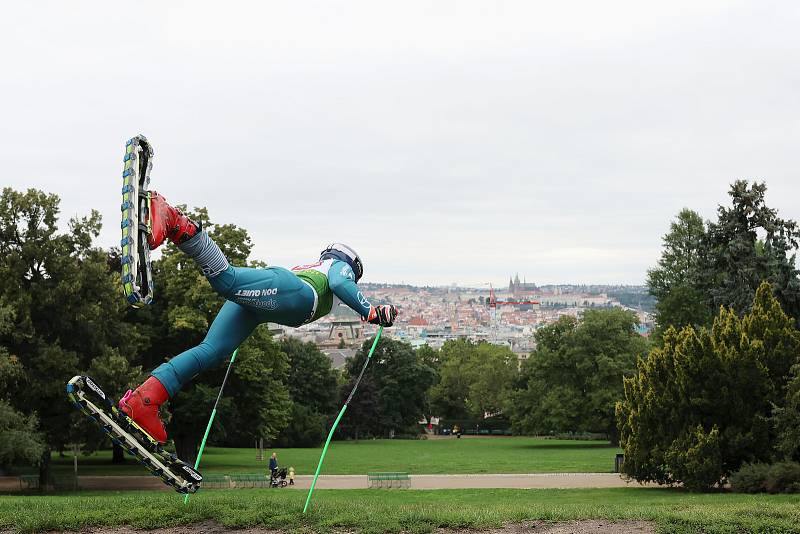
374	511
445	456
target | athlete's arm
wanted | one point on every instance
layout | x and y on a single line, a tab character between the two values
341	280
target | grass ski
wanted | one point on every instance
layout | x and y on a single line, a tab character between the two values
137	276
87	396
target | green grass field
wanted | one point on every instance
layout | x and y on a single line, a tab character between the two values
374	511
450	456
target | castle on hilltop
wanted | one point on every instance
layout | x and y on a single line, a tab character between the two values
517	288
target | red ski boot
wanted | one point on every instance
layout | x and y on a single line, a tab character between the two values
142	406
164	222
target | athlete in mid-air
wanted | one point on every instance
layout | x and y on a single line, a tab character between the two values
253	296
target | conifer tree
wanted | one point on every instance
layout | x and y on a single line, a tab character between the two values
787	420
701	405
677	282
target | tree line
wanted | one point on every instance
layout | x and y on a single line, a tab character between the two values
715	388
61	314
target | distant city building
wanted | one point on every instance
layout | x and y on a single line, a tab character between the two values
518	289
338	357
418	320
434	315
343	332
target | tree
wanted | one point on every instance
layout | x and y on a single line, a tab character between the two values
255	403
400	381
429	356
722	263
260	401
700	405
677	280
492	371
749	244
20	439
115	373
475	380
364	411
787	419
449	396
574	378
314	393
67	308
312	380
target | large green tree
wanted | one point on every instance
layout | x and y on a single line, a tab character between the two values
573	379
20	439
394	392
450	394
787	419
474	379
116	373
677	280
314	391
67	308
700	406
260	401
748	244
722	262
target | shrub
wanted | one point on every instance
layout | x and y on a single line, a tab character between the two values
782	477
699	405
750	478
695	458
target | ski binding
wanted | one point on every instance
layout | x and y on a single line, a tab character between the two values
137	274
87	396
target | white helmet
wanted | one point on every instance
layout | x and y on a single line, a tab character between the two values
340	251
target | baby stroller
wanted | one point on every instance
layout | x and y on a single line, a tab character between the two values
277	478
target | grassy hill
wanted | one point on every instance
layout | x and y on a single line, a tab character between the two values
409	511
436	456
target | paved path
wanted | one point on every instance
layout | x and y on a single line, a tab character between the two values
519	481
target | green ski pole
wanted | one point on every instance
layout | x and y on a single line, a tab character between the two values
339	417
211	419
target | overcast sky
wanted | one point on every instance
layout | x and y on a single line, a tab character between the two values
445	141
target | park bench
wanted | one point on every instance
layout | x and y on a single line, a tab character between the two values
237	480
30	482
216	481
64	482
249	480
389	480
58	482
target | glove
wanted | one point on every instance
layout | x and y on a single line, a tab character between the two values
383	315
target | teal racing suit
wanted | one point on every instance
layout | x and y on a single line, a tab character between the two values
255	296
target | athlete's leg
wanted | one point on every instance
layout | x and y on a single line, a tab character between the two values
278	292
282	295
232	325
230	328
